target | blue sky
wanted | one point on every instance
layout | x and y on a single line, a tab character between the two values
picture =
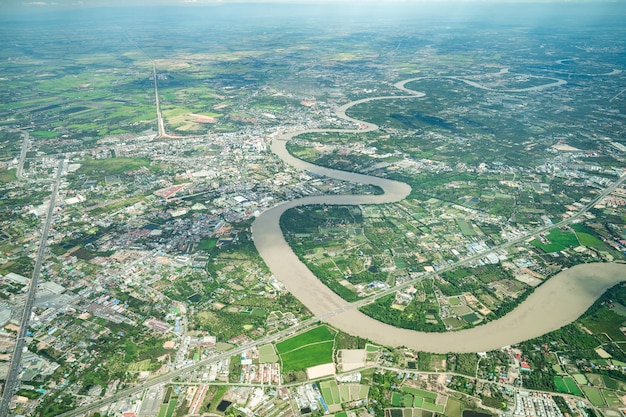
88	3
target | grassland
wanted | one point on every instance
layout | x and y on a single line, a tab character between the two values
567	385
318	334
308	349
111	166
594	395
7	175
558	241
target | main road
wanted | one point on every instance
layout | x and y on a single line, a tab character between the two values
16	358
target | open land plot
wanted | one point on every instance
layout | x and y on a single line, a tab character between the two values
308	356
438	408
421	393
330	392
267	354
396	399
453	408
580	379
318	334
558	241
612	398
594	395
571	386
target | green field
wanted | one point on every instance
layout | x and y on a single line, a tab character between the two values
559	240
7	175
139	366
580	379
396	399
267	354
307	356
566	385
420	393
612	398
111	166
318	334
330	392
586	237
453	408
167	410
594	395
311	348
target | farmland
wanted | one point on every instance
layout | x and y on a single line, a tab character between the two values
314	347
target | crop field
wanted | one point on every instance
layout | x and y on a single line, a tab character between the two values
7	175
396	399
111	166
318	334
308	356
558	239
566	385
580	379
139	366
594	395
453	408
330	392
167	410
612	398
267	354
419	392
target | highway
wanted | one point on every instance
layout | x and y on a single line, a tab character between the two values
16	358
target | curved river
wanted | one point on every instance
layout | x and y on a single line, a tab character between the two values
559	301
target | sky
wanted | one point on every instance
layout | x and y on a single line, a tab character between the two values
99	3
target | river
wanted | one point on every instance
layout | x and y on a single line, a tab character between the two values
559	301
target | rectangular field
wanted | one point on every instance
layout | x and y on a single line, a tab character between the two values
318	334
420	393
308	356
396	399
571	386
612	399
267	354
594	395
330	392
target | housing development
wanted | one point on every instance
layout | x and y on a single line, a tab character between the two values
285	209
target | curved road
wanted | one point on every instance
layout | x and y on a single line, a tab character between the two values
559	301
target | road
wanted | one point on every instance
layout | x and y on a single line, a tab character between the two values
344	306
16	358
160	125
181	372
23	151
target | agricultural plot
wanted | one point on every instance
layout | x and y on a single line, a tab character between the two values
594	395
396	399
612	399
167	410
567	385
139	366
453	408
419	392
558	240
330	392
267	354
308	356
308	349
318	334
580	379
